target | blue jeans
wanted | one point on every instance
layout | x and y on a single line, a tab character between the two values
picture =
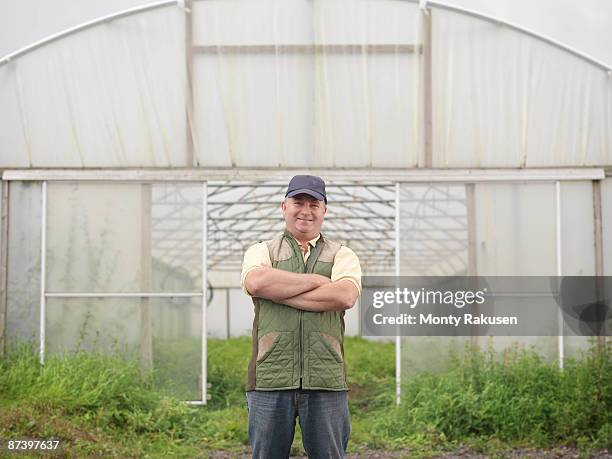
324	421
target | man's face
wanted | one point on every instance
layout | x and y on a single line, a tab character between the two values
303	216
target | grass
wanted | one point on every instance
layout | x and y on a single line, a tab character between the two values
106	405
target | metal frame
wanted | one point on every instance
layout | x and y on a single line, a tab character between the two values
86	25
403	48
4	197
424	5
598	246
43	273
283	174
398	338
142	295
359	215
427	88
189	103
560	338
241	213
379	208
121	295
204	375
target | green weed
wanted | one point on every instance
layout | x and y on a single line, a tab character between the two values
107	405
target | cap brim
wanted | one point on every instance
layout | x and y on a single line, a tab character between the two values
314	194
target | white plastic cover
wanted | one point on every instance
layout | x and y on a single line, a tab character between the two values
274	104
302	83
108	96
502	98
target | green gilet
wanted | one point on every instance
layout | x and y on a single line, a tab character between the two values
294	348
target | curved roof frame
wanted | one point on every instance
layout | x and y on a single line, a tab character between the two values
538	36
425	4
86	25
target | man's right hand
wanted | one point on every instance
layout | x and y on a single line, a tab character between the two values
277	285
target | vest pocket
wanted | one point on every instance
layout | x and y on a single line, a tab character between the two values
333	345
274	366
326	367
266	344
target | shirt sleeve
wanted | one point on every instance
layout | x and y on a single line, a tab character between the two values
346	266
256	256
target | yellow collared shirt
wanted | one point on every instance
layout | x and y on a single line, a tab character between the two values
346	264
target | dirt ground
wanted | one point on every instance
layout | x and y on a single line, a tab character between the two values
557	453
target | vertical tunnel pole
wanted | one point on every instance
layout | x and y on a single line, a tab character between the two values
146	309
189	104
204	288
599	258
43	272
427	86
228	331
560	340
4	191
472	271
398	341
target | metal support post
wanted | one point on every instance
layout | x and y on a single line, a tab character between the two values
146	319
204	289
470	204
43	273
4	191
560	342
427	89
398	341
599	258
189	105
227	314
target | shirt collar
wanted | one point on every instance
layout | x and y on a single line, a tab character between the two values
312	242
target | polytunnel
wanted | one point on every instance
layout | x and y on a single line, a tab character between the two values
143	152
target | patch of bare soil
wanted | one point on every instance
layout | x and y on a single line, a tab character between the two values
562	452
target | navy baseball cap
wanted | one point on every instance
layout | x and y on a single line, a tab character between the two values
307	184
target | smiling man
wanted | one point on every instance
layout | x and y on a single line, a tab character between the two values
301	283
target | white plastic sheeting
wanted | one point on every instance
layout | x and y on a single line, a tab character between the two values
279	101
110	95
302	83
23	270
105	237
433	230
504	99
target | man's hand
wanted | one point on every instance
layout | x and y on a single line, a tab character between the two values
309	292
278	285
333	296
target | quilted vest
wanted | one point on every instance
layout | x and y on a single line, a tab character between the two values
293	348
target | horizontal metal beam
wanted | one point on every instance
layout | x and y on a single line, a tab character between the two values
214	187
330	218
357	200
309	49
121	295
280	174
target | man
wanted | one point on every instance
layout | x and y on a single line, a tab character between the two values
301	284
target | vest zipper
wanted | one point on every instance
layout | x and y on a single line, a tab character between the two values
295	244
301	319
301	349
